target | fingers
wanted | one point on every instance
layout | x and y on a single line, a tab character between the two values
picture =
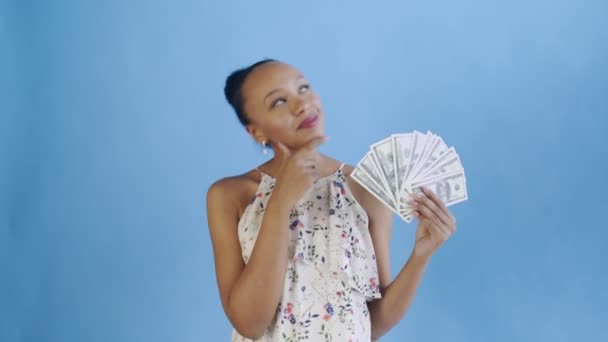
315	142
426	207
304	158
281	147
430	208
436	205
427	214
433	229
437	231
310	145
433	196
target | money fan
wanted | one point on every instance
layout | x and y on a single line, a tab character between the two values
395	168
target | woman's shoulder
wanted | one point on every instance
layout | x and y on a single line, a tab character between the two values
234	188
231	182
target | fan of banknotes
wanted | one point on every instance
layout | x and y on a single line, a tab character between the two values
397	167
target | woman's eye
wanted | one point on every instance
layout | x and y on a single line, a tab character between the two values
278	101
305	87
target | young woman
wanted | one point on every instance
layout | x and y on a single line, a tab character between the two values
302	250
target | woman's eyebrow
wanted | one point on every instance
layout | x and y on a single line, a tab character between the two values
272	92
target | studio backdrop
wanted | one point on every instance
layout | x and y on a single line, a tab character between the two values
113	125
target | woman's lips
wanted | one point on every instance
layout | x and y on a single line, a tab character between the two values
309	122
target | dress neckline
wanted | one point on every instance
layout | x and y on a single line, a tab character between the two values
333	174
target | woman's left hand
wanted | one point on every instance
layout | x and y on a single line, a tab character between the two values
436	223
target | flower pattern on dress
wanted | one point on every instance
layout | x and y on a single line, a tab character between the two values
331	272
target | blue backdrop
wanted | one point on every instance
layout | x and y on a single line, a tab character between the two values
113	125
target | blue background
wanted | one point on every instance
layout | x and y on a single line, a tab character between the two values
113	125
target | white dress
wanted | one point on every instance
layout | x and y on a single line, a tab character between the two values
331	271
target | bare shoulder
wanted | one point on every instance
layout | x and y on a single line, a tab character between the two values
231	193
225	200
225	189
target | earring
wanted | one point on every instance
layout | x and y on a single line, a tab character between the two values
264	149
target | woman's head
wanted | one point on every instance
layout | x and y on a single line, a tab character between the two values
274	102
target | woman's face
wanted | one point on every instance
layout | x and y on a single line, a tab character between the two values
281	106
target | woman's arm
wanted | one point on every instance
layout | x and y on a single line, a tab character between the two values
398	294
397	297
435	226
249	292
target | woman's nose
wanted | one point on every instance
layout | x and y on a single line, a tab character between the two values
301	108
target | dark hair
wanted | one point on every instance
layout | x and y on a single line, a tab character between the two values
233	89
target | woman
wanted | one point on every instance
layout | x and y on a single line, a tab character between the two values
301	250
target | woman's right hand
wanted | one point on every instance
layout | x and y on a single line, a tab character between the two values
298	171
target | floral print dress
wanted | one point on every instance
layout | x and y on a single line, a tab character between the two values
331	271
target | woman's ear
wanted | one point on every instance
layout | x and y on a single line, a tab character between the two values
256	133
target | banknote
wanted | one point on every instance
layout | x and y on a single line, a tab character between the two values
397	167
359	175
383	154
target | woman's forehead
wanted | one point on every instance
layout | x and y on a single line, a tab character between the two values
270	76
